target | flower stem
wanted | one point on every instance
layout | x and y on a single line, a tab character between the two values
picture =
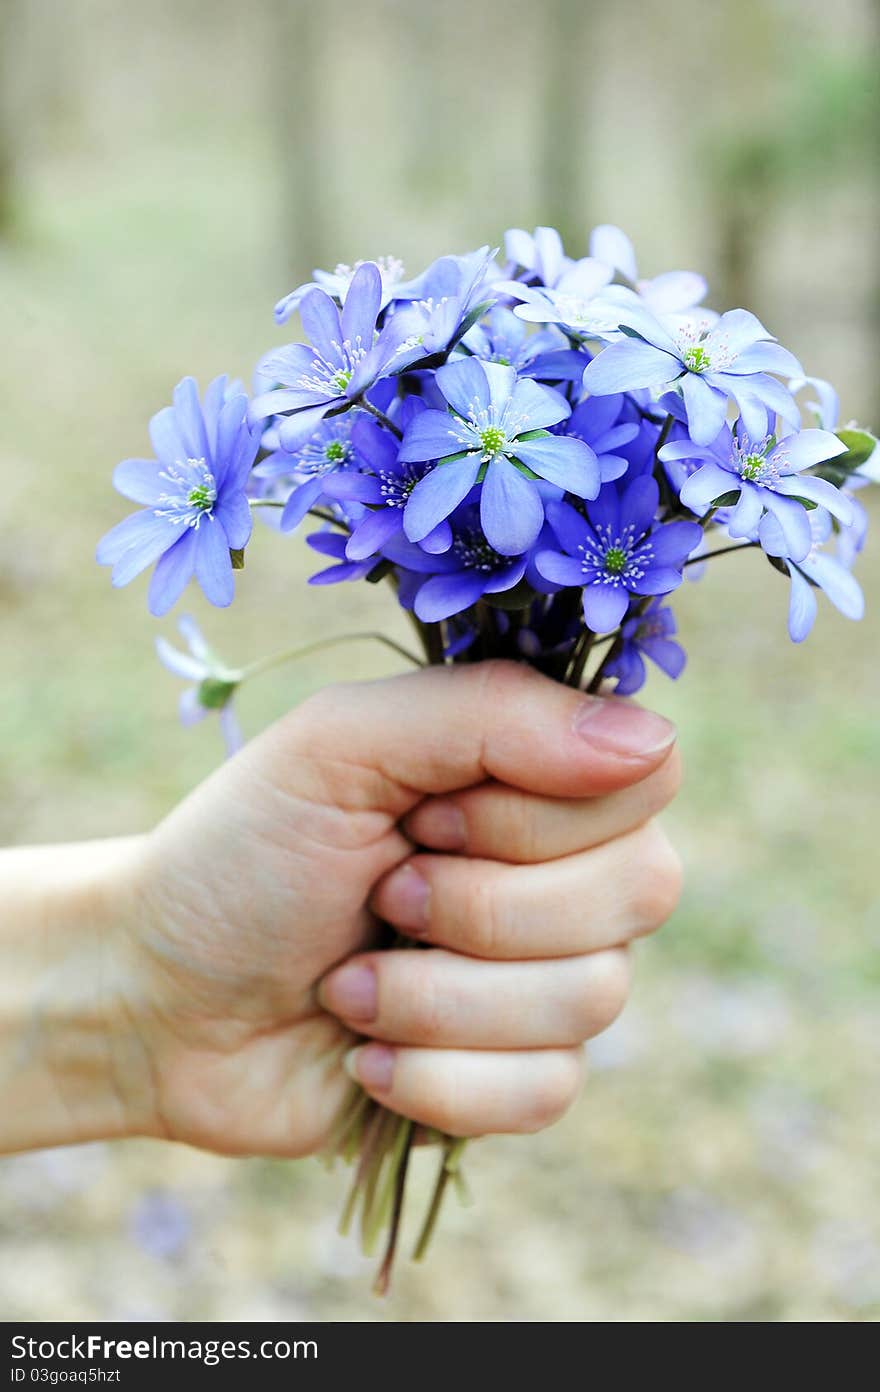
380	416
449	1163
265	664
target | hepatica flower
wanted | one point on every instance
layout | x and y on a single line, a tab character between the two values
343	358
330	450
617	551
763	475
213	683
195	505
649	634
494	435
709	366
337	284
817	570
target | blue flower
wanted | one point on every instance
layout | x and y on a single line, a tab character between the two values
332	544
597	421
451	295
817	570
616	551
767	475
709	365
194	491
329	451
673	292
470	569
387	488
214	684
337	283
503	338
343	358
649	634
494	435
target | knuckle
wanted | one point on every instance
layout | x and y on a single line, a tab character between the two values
607	991
658	878
484	925
557	1088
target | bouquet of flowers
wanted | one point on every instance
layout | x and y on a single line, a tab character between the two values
532	450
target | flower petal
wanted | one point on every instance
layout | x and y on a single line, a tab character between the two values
172	574
438	494
605	606
564	460
706	408
821	492
628	366
433	435
559	569
213	567
363	300
321	324
465	385
445	595
511	510
802	606
139	479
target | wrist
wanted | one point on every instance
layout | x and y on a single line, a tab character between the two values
72	1067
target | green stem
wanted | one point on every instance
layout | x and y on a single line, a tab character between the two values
383	1279
449	1163
265	664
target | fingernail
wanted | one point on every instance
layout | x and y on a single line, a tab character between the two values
618	728
406	897
353	992
442	826
372	1065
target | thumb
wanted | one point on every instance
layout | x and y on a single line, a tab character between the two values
384	745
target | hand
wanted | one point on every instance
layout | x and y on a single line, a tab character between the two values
255	890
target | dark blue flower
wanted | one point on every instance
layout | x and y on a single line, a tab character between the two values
386	489
617	551
470	569
494	435
817	570
196	507
598	421
649	634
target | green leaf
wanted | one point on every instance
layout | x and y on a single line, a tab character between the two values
214	693
379	572
519	596
726	499
630	333
236	556
860	445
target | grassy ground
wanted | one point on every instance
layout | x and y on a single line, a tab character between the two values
722	1164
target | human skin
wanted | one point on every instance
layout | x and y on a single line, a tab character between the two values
205	982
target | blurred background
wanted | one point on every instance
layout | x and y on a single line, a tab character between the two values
166	173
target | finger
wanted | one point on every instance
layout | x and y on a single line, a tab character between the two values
470	1093
449	1001
385	744
502	823
562	908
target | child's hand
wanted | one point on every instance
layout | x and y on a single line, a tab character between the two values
248	971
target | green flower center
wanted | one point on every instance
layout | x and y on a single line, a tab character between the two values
493	440
696	359
752	466
335	452
340	380
615	560
201	497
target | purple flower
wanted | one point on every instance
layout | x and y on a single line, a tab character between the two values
342	359
386	489
767	475
214	686
616	552
494	436
597	421
816	570
470	569
194	491
332	544
649	634
732	359
314	468
503	338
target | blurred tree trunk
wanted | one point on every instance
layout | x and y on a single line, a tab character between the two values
563	153
9	15
297	32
